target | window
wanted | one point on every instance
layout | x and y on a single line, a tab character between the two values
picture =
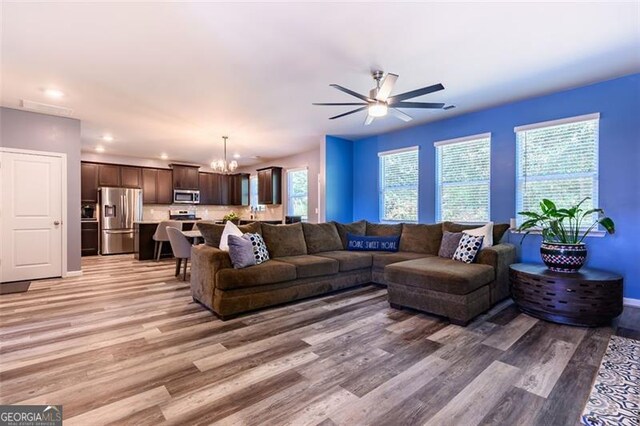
557	160
298	193
399	185
463	179
253	192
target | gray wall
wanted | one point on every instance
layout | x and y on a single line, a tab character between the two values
39	132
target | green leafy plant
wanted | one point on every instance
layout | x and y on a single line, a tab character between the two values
231	216
564	226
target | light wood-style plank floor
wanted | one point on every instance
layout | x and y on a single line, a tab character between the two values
125	344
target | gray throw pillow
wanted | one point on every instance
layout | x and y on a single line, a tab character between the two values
241	252
449	244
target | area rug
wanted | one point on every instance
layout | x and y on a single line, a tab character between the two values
14	287
615	396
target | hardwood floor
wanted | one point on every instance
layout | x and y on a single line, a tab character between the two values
125	344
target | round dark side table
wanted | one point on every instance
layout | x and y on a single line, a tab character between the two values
589	297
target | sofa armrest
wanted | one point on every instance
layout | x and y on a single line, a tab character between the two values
206	261
500	257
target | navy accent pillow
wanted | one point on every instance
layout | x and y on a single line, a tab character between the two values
362	243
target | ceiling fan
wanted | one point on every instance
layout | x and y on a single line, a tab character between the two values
379	102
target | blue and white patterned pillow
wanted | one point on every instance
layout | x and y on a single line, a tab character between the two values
260	251
468	248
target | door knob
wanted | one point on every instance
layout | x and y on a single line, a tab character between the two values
56	222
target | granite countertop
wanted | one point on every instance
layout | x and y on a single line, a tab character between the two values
155	222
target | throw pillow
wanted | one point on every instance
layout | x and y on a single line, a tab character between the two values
485	231
230	228
468	248
260	252
241	252
450	241
363	243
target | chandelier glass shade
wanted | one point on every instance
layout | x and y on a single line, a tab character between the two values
221	165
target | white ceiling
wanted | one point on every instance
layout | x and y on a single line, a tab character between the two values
175	77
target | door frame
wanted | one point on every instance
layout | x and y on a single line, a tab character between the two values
63	191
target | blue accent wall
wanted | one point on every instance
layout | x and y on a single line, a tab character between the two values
339	179
617	101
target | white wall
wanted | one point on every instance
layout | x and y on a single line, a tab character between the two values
310	160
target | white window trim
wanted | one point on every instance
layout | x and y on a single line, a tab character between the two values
291	170
597	232
551	123
380	197
438	186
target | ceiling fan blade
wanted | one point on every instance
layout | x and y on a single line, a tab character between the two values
386	87
399	114
347	113
351	92
369	120
423	105
415	93
339	104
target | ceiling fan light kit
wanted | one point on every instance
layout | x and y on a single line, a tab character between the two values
379	102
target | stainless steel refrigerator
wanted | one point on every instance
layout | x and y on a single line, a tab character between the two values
119	209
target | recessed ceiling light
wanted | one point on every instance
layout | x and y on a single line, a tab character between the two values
236	155
107	138
54	93
164	156
99	148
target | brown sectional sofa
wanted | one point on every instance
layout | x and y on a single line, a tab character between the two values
310	259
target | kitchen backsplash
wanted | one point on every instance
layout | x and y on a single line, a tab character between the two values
161	212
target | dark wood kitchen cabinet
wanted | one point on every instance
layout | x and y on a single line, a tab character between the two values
206	188
165	187
89	238
185	177
108	175
270	185
157	186
130	177
89	183
239	189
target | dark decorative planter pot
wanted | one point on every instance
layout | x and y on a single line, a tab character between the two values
563	257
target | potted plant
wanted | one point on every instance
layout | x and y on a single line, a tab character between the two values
231	217
563	248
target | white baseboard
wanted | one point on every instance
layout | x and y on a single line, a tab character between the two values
631	302
71	274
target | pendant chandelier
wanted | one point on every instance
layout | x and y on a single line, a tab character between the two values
221	165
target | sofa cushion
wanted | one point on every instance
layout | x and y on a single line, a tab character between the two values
212	232
439	274
284	240
384	229
421	238
321	237
499	229
308	266
269	272
355	228
349	260
381	259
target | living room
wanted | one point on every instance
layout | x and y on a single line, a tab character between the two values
282	213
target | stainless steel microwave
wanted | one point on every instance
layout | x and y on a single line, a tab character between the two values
185	196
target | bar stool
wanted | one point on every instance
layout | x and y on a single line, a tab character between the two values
160	236
181	248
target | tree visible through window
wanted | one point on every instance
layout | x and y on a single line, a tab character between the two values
558	161
399	185
463	179
297	193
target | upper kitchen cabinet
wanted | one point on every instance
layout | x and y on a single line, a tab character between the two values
165	187
130	177
157	186
185	177
270	185
89	183
206	189
239	189
108	175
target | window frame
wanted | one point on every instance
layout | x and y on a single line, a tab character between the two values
382	154
519	195
305	218
438	180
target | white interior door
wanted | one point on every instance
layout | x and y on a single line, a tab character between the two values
31	214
